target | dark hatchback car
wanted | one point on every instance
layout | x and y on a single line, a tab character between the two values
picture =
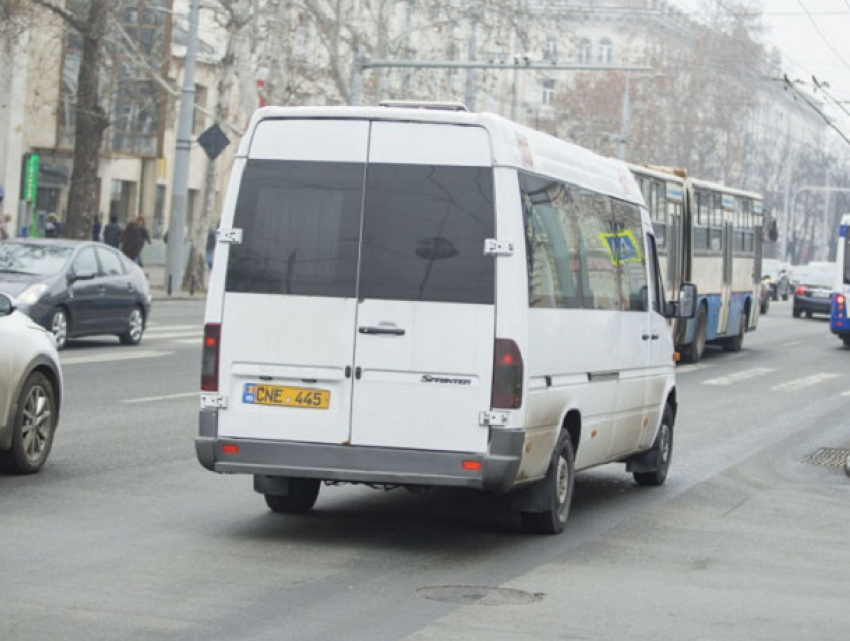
813	294
76	288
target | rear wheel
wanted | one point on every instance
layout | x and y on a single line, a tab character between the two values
663	448
558	487
32	428
693	352
735	343
808	313
797	312
301	498
135	328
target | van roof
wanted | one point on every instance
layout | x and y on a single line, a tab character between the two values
512	145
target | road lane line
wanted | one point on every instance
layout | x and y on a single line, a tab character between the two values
695	367
164	397
106	358
155	336
169	328
189	341
803	383
737	377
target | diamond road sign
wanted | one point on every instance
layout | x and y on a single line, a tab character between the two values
213	141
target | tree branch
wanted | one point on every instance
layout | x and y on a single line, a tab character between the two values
63	13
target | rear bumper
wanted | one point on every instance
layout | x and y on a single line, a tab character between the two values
814	305
358	464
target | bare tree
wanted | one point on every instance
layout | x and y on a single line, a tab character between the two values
90	22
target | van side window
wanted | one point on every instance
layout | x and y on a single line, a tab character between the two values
655	280
424	228
554	272
630	257
300	226
596	228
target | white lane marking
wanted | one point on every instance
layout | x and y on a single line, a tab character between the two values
155	336
737	377
845	393
106	358
164	397
169	328
189	341
803	383
792	343
694	367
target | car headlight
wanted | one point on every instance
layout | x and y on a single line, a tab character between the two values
31	294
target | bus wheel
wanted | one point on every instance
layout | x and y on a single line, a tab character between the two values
846	341
557	492
735	343
693	352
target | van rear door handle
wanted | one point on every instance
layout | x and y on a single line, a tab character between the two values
392	331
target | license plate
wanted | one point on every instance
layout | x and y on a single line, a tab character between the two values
281	396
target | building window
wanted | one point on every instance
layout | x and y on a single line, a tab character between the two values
548	91
606	51
584	52
550	49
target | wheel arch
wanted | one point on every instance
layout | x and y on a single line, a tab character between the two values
42	365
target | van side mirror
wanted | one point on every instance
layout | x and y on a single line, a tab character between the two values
687	301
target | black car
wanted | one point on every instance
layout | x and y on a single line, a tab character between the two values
813	294
76	288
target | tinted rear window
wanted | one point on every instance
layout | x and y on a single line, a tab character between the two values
424	232
300	225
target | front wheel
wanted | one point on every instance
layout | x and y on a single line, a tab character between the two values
59	327
662	448
135	328
32	428
301	498
558	487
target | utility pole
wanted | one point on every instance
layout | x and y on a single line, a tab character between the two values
624	122
180	183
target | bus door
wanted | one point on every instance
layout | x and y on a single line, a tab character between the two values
728	246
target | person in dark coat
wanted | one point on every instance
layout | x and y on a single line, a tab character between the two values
95	228
112	232
132	242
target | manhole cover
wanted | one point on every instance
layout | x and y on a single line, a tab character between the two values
831	457
477	595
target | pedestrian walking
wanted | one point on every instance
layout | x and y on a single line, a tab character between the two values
52	228
146	237
112	232
5	222
95	229
132	242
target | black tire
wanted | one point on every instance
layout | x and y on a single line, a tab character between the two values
797	312
846	341
300	500
735	343
808	313
663	445
558	486
33	427
693	352
60	327
135	327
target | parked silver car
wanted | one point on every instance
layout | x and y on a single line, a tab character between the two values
30	391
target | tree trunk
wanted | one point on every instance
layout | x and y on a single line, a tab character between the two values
91	122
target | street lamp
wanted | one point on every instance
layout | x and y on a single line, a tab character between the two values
180	183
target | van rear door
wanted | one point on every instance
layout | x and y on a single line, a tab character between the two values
425	312
287	330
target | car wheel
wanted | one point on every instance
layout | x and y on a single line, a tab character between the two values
558	486
797	312
136	327
693	352
808	313
33	427
663	448
59	327
301	498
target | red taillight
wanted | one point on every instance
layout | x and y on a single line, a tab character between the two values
228	448
507	375
209	357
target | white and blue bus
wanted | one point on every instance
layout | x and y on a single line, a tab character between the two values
710	235
839	323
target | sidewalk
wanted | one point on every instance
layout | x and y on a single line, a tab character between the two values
153	257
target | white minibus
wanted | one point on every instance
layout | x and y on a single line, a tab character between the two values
417	297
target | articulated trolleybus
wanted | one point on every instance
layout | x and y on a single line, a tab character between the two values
710	235
839	323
